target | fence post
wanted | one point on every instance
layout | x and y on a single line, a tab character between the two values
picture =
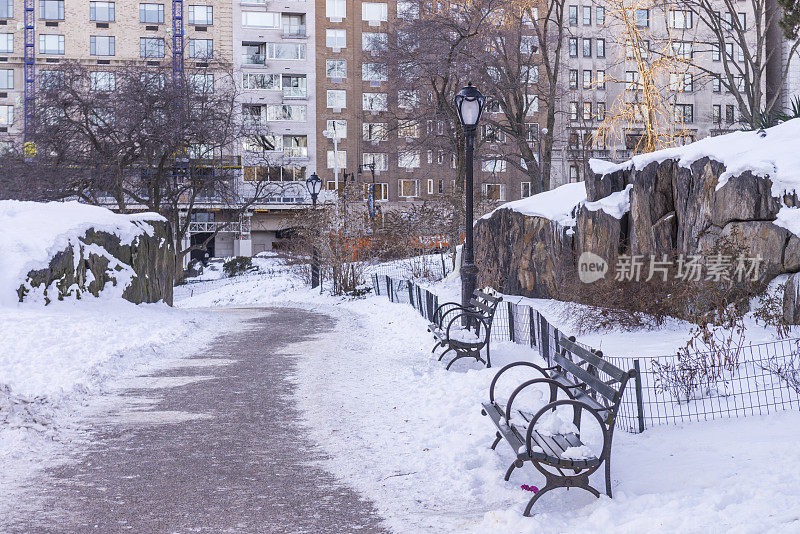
411	294
510	322
544	335
390	288
532	326
639	400
376	284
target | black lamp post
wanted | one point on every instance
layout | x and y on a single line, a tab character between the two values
314	184
371	201
469	104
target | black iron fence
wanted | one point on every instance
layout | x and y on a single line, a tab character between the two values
749	380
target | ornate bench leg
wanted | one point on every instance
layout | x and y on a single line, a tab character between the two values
517	463
608	477
497	440
459	355
535	498
442	354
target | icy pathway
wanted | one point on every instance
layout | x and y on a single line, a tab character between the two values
216	447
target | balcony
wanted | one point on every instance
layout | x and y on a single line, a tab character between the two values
295	92
299	152
294	32
254	59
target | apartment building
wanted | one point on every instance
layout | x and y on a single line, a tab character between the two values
358	109
275	64
601	70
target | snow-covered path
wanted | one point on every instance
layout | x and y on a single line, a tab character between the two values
211	446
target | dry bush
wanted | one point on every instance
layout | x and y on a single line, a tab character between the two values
787	370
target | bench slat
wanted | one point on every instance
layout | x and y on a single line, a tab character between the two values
592	359
584	376
487	296
481	306
580	395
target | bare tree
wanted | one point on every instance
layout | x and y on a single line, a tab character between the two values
140	137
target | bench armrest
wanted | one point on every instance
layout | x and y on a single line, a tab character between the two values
441	312
511	366
473	316
578	408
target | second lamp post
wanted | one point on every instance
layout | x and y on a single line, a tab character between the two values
314	185
469	105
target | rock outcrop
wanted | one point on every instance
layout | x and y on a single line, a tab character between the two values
100	262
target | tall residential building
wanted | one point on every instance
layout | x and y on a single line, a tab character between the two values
274	56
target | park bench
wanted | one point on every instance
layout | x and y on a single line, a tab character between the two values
469	337
589	384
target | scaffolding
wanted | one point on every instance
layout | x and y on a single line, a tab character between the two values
177	39
30	67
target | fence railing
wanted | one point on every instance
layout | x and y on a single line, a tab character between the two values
753	380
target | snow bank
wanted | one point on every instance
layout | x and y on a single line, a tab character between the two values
34	232
558	204
774	156
616	204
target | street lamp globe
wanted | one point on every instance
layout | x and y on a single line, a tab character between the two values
313	184
469	104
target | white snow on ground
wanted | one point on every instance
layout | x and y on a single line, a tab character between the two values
408	435
616	204
774	155
33	232
557	204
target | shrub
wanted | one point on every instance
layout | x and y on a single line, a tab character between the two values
238	265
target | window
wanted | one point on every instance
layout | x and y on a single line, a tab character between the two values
201	15
6	115
201	82
430	186
6	43
374	42
729	113
407	10
374	12
51	9
532	102
285	51
587	15
253	116
374	72
374	131
632	81
335	39
681	82
601	48
101	11
493	134
6	78
380	191
282	112
496	192
573	111
335	9
529	74
493	165
102	81
200	48
6	9
51	44
408	159
525	189
573	79
600	15
644	50
587	48
587	111
716	84
407	99
151	13
716	114
295	146
600	107
641	18
684	113
742	20
339	126
51	79
337	159
101	45
573	173
336	68
601	79
407	188
294	85
715	54
573	47
293	24
381	161
739	81
683	49
261	19
681	20
587	79
529	44
337	98
269	82
408	129
150	47
573	15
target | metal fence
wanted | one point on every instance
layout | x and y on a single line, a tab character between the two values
433	266
666	389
